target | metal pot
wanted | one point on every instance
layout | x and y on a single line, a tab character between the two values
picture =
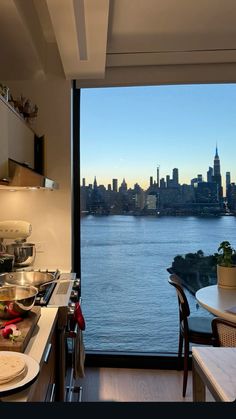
24	253
34	278
16	300
6	262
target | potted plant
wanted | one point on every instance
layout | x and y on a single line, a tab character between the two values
226	265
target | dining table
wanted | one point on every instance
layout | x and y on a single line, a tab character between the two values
219	301
213	367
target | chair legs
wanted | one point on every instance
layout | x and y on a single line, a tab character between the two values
180	350
186	356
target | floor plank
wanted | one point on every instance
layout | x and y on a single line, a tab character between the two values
134	385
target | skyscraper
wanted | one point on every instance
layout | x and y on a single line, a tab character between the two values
158	176
95	185
123	186
227	184
115	185
175	177
217	164
228	181
217	174
210	174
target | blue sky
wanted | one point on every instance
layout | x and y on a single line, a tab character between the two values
127	131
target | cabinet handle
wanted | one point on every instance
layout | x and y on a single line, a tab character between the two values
80	394
51	399
49	347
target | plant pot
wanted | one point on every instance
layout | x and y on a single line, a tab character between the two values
226	277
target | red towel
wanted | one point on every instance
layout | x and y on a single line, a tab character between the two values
78	315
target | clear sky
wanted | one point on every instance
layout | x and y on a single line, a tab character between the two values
127	131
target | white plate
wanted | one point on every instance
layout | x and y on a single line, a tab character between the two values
31	374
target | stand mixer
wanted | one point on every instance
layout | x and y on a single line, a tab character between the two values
24	253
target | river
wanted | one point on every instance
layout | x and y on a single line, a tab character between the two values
127	301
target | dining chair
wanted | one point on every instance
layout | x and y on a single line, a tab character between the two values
224	332
192	329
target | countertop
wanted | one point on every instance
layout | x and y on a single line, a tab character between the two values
36	349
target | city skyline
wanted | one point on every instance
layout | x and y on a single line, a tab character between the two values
174	175
128	132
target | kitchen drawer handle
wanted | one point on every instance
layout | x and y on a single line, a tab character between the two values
51	399
47	353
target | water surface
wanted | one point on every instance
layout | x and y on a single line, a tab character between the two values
127	302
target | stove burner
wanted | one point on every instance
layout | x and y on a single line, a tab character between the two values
44	294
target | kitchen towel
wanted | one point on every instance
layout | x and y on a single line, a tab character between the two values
79	350
79	356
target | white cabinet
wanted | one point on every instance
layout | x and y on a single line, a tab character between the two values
16	139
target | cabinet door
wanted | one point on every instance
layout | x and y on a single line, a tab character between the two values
20	140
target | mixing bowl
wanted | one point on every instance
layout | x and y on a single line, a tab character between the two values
16	300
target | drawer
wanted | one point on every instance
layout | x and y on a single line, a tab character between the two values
45	384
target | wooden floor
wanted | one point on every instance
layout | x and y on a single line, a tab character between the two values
134	385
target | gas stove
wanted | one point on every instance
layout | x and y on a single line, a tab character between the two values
60	292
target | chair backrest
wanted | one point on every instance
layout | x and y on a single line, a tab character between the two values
224	332
184	310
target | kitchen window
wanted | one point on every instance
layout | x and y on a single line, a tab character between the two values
131	146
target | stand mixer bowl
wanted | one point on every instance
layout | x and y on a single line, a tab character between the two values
6	262
24	253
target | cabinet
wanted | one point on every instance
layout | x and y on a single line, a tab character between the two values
46	383
16	140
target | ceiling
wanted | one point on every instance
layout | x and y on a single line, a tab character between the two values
113	42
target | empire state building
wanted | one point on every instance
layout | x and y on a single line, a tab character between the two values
217	175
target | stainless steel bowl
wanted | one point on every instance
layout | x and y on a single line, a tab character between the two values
24	253
16	300
34	278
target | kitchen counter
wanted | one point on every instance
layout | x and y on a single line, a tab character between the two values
36	349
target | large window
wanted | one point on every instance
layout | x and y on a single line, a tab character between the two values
157	182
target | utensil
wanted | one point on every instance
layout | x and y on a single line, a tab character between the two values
34	278
24	253
16	301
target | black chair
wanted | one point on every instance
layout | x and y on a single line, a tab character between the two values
224	332
192	329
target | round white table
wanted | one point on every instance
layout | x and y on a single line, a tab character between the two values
217	300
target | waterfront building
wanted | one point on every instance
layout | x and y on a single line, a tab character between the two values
151	202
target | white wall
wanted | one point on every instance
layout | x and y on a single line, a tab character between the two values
48	211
